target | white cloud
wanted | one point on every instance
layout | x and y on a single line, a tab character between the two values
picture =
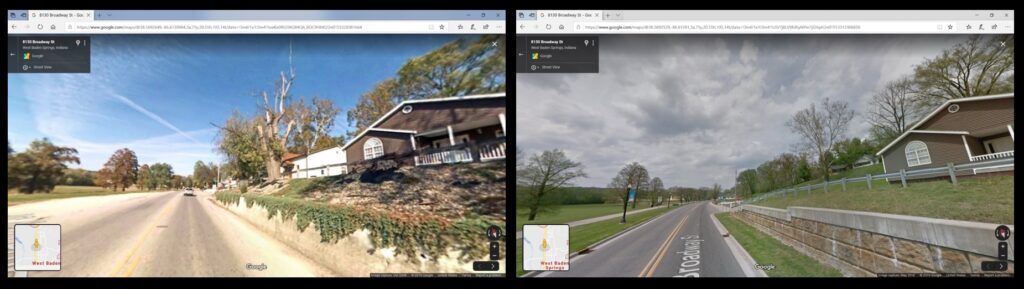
694	108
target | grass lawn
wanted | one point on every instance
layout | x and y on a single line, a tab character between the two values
986	199
569	213
60	192
766	250
581	237
875	169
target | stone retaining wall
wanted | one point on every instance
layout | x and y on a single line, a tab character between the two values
352	256
864	243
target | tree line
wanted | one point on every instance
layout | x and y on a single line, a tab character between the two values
544	183
981	65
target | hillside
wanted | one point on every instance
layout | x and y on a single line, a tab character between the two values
451	191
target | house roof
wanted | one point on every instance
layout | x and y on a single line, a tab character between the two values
400	105
913	129
290	156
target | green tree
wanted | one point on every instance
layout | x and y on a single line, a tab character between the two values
161	175
538	184
40	167
850	150
143	181
201	175
981	65
746	182
372	105
77	177
459	67
237	139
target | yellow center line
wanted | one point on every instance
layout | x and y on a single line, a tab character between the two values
651	265
138	244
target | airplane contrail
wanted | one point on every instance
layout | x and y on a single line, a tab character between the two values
153	116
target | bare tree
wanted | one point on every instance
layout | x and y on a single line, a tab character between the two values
519	158
821	129
541	179
634	175
656	188
890	109
276	114
982	65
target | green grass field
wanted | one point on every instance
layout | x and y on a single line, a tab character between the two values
569	213
875	169
766	250
581	237
60	192
986	199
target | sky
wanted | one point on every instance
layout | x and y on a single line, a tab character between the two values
694	109
158	94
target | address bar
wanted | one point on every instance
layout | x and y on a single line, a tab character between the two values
719	27
282	27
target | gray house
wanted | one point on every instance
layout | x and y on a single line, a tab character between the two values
961	130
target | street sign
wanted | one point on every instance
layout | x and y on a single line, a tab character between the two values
632	194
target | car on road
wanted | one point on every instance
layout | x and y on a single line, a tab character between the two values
189	192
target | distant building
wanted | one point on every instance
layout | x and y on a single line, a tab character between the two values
328	161
865	160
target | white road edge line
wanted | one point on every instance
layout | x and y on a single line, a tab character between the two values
742	257
602	243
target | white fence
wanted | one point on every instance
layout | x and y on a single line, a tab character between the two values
445	157
999	155
949	170
492	151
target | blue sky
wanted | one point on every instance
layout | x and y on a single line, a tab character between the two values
158	94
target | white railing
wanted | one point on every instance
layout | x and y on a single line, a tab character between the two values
445	157
992	156
492	151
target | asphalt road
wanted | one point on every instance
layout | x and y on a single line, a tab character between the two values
681	243
169	234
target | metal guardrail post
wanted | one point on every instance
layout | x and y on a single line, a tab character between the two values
869	182
952	173
903	177
844	184
826	186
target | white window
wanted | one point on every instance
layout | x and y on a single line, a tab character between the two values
372	149
917	154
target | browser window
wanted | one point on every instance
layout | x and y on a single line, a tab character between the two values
256	143
810	143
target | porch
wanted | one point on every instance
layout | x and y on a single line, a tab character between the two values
990	144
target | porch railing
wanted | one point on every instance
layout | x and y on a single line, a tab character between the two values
445	157
992	156
462	153
492	151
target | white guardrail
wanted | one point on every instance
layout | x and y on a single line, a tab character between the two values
949	170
